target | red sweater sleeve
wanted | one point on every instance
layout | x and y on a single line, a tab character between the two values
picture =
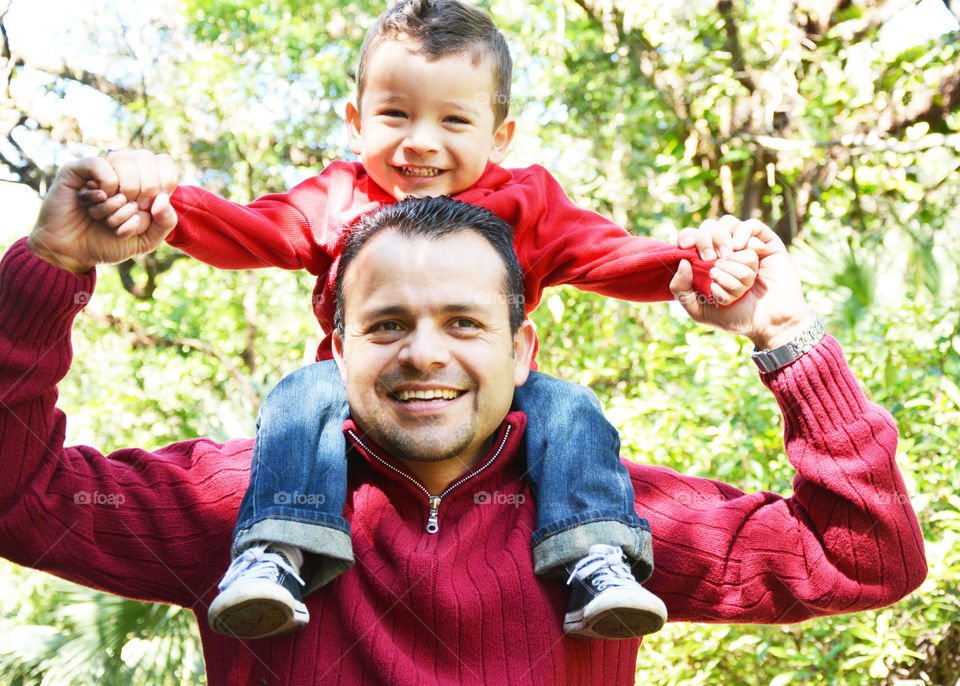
847	540
299	229
558	242
131	522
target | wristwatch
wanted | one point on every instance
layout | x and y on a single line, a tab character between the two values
781	356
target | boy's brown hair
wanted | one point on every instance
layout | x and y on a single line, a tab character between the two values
444	27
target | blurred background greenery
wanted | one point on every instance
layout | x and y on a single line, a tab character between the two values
835	121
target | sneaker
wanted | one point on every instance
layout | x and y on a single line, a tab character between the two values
606	600
259	597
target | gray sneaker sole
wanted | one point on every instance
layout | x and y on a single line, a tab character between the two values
616	615
239	614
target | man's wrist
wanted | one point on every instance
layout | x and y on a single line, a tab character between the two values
774	357
57	260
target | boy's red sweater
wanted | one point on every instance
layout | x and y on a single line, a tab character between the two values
556	241
461	606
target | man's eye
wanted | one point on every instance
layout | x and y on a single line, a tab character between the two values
464	323
385	326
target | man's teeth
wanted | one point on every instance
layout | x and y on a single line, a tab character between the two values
420	171
435	394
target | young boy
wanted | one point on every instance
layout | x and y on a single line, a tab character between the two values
430	119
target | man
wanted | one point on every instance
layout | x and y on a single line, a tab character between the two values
459	604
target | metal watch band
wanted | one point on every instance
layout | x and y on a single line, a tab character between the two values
772	360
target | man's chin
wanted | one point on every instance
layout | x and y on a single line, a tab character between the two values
427	445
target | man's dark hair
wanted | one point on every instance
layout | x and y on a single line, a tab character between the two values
435	218
444	27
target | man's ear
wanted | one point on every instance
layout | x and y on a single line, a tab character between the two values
501	141
338	354
352	118
524	346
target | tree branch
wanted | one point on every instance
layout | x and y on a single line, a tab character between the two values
141	338
733	45
153	265
250	317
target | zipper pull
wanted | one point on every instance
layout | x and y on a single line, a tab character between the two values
433	526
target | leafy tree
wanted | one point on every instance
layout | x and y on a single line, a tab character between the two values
808	115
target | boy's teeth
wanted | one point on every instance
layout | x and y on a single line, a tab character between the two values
420	171
427	395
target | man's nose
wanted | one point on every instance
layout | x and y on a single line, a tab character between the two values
422	139
425	347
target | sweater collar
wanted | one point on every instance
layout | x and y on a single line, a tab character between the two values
506	443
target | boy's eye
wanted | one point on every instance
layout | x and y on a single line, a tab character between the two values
458	120
394	113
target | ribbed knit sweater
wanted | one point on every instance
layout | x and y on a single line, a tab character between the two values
461	606
556	242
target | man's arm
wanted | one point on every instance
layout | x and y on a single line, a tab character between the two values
141	524
847	540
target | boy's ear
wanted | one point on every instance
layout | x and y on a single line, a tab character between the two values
501	141
353	127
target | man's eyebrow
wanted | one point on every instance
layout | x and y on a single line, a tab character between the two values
399	310
385	311
453	308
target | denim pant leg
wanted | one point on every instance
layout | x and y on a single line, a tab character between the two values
584	494
298	475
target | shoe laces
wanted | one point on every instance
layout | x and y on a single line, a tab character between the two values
606	565
258	563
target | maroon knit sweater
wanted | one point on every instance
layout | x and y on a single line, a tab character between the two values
461	606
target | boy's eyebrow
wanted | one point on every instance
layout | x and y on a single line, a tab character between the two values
466	104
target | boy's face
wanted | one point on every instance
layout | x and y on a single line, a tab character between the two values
426	127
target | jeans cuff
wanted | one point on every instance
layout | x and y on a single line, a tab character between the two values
331	547
555	552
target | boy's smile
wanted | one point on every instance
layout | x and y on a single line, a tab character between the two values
425	127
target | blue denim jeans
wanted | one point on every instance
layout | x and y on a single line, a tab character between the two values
298	475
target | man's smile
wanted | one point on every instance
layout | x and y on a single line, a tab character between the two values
431	394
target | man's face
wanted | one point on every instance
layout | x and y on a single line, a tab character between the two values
427	355
426	127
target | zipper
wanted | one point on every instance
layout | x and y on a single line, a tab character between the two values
433	501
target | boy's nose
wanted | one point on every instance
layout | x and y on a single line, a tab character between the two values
422	140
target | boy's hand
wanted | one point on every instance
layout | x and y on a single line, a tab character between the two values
66	236
772	312
726	241
124	205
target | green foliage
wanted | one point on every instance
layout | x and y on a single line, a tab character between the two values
658	115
